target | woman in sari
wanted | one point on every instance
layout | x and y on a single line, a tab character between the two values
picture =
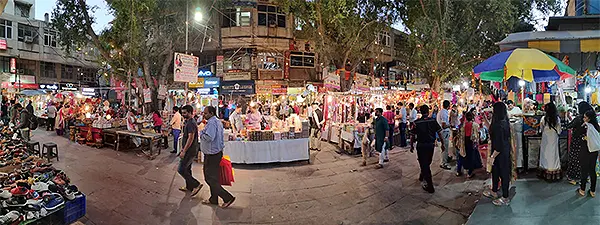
59	124
549	156
468	138
573	164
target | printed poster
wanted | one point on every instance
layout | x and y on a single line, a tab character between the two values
185	68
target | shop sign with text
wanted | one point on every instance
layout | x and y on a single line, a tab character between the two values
242	87
229	76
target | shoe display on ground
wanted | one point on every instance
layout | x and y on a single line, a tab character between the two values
53	201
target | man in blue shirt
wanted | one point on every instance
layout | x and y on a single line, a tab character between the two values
189	151
211	144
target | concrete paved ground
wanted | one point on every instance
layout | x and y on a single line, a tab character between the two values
124	188
538	202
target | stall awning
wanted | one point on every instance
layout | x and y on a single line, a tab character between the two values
554	41
590	45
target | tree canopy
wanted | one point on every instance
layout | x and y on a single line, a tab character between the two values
342	31
449	37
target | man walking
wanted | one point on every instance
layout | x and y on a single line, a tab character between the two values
381	127
444	122
29	108
211	144
23	122
189	151
316	126
424	133
51	117
176	127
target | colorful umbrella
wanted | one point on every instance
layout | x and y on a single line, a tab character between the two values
526	63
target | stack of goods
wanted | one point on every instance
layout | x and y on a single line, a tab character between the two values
101	123
259	135
31	189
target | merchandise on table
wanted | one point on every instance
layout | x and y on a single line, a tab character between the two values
31	188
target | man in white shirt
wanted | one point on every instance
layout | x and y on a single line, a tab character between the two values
444	121
403	120
51	117
413	113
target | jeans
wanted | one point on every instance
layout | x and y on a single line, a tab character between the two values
212	173
383	155
588	168
185	169
391	135
176	133
402	134
501	173
446	142
425	156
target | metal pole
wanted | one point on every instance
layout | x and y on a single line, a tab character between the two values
187	24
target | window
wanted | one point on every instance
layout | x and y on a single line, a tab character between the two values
5	29
47	69
384	39
26	67
67	72
27	34
22	9
49	38
270	16
88	75
4	64
236	18
302	59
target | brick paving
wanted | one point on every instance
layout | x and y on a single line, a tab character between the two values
124	188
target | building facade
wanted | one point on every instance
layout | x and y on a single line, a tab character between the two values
30	57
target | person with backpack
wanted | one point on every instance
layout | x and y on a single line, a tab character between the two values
23	122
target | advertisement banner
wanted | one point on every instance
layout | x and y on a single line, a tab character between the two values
198	84
162	91
212	82
362	82
3	45
219	68
185	68
229	76
147	95
242	87
13	65
332	81
275	87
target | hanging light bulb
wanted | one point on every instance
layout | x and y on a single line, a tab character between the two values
521	83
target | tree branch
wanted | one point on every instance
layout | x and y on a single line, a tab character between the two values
90	30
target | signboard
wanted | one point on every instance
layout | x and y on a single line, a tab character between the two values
3	45
204	73
362	82
219	68
13	65
274	87
87	91
243	87
207	91
162	91
295	91
332	81
212	82
68	87
185	68
53	87
23	79
198	84
147	95
8	85
229	76
270	74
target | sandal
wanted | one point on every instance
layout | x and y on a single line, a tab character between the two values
580	192
490	194
183	188
592	194
501	201
572	182
207	202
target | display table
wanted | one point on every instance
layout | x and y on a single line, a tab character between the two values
250	152
152	139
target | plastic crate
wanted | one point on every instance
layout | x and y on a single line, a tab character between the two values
74	210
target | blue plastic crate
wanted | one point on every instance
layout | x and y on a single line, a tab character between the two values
74	209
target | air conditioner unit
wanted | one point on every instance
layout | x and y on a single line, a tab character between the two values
28	39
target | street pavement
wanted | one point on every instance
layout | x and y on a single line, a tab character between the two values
126	188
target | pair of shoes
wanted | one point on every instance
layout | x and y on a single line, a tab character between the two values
446	167
501	201
592	194
490	194
580	192
224	206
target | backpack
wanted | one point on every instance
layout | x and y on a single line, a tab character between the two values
33	122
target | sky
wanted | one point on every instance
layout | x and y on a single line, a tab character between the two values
102	15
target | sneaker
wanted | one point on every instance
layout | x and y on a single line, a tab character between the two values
39	186
69	195
19	191
15	202
4	194
10	217
32	215
53	201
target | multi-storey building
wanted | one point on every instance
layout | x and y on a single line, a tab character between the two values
30	57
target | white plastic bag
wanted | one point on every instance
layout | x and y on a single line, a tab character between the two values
593	138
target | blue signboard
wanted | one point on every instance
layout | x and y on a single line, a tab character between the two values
212	82
204	73
239	87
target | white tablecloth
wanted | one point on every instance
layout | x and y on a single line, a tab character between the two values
249	152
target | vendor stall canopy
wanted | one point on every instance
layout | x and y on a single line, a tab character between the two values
526	63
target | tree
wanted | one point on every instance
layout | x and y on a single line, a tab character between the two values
144	34
342	31
452	36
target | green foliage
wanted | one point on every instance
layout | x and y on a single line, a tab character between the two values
449	37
